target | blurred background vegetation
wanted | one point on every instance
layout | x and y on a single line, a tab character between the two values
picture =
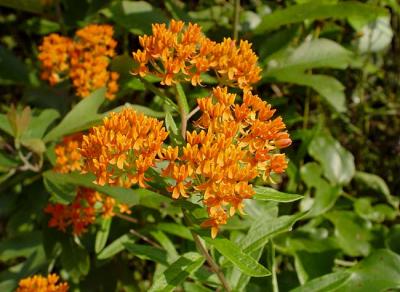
330	67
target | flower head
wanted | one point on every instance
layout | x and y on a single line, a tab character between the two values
39	283
85	60
182	52
235	143
121	150
54	58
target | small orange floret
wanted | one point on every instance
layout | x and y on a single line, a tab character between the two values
121	150
38	283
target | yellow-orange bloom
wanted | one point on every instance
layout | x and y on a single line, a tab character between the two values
235	144
121	150
54	57
182	52
85	60
39	283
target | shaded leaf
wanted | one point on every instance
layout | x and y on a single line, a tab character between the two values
102	234
315	10
136	16
336	161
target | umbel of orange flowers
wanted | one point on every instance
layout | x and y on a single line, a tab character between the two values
84	60
39	283
180	52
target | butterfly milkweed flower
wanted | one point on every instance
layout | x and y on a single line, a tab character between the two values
182	52
88	203
120	150
84	59
234	143
39	283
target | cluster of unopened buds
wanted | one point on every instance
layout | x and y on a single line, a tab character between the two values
235	140
84	59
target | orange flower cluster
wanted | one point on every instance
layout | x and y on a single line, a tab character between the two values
87	203
84	60
42	284
121	150
183	53
235	144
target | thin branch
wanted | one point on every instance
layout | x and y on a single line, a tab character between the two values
203	250
145	238
126	218
214	267
134	232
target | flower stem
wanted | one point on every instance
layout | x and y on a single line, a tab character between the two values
236	19
183	108
203	250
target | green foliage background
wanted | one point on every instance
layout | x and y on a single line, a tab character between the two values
331	68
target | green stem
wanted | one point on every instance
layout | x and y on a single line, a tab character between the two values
236	20
203	250
183	108
274	280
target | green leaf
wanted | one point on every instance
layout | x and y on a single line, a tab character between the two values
376	184
377	213
81	117
376	36
115	247
102	234
74	259
261	231
147	111
352	233
337	162
176	229
329	282
325	194
243	261
64	192
34	144
64	186
315	53
328	87
177	272
12	69
5	125
174	134
148	252
362	277
270	194
136	16
315	11
39	124
34	6
22	245
165	242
